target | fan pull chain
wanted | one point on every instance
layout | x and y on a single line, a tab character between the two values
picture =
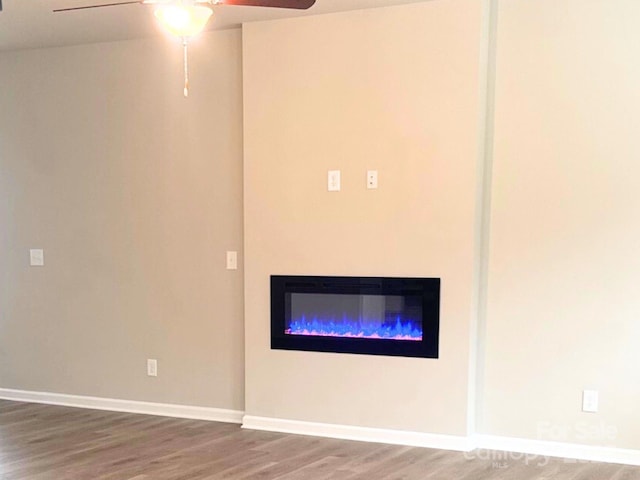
186	67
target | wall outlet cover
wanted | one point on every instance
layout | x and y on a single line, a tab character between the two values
232	260
152	367
590	401
372	179
333	180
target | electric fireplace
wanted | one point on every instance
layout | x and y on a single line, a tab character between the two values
363	315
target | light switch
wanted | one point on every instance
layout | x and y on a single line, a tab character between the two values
36	257
333	181
590	401
232	260
372	179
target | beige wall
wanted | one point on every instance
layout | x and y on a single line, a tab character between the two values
564	264
397	90
134	193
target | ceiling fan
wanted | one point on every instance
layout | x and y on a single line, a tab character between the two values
295	4
186	18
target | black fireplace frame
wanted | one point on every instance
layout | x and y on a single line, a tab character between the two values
427	288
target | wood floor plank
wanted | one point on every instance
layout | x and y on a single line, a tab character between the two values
41	442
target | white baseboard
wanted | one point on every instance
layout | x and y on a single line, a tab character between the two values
128	406
347	432
538	448
365	434
573	451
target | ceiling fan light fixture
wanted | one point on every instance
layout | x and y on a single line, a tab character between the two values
183	20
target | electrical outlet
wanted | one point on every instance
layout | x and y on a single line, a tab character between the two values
590	401
152	367
333	180
372	179
232	260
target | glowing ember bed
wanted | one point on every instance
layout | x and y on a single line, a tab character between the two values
365	315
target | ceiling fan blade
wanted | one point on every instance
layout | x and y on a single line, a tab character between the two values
297	4
95	6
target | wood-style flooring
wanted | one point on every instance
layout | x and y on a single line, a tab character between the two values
41	442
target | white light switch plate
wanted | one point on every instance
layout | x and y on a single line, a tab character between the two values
590	401
36	257
232	260
333	180
372	179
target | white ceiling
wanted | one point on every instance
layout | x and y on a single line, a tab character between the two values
32	24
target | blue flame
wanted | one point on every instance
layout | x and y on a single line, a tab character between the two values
390	329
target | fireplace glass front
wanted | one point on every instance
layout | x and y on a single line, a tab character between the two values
368	315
